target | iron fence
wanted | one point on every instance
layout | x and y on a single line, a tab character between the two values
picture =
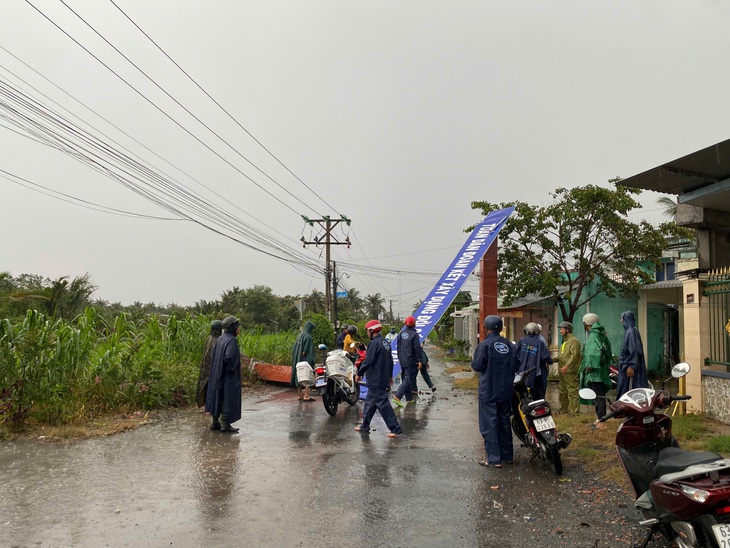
717	291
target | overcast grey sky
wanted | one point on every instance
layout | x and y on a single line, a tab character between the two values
396	114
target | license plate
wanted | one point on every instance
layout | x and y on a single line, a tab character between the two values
544	423
722	534
319	382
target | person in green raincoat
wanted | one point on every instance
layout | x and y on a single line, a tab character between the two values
594	368
302	351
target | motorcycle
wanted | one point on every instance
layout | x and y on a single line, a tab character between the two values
684	495
335	379
533	424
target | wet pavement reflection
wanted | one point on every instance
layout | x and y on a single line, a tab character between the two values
294	476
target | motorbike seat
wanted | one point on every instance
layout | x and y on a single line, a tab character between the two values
536	403
673	459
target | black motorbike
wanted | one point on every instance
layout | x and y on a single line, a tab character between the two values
533	424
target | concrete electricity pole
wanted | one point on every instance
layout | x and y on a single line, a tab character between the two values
327	239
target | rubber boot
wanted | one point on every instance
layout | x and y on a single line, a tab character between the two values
215	424
225	427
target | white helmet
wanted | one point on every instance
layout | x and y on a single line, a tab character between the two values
590	318
532	329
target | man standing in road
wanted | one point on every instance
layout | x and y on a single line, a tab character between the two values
216	326
594	368
496	361
411	360
391	336
631	364
224	388
378	368
568	367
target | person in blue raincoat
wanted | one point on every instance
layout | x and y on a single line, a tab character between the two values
533	354
223	400
410	356
495	359
632	366
378	371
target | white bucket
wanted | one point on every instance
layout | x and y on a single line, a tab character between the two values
305	374
337	365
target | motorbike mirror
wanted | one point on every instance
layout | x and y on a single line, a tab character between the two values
587	394
322	347
680	370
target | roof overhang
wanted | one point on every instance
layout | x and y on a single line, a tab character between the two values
700	179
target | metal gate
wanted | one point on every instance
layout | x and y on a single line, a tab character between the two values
717	291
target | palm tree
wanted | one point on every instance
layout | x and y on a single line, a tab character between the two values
375	305
315	301
231	299
669	205
355	302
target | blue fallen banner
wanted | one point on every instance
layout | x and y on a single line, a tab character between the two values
444	292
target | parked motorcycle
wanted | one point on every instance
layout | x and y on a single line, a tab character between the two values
335	379
533	424
684	495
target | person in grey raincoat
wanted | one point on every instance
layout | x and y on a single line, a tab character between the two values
223	400
302	351
631	364
216	326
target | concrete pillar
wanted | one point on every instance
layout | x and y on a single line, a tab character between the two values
641	323
696	339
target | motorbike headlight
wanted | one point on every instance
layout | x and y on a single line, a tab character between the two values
697	495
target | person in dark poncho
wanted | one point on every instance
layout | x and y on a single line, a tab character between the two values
533	354
632	366
302	351
216	326
223	400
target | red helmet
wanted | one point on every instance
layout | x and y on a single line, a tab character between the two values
373	325
410	321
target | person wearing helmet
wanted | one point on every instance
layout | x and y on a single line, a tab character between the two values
568	367
410	357
534	357
216	326
392	335
340	342
594	367
496	361
223	399
302	351
377	368
350	344
631	364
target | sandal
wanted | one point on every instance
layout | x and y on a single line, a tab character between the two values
487	464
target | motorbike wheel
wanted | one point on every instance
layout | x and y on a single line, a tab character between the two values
353	398
554	457
518	427
330	403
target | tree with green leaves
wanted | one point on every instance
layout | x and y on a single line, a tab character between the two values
374	305
581	244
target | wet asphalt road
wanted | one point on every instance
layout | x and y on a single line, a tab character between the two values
295	476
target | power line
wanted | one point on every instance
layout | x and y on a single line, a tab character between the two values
79	149
161	110
221	107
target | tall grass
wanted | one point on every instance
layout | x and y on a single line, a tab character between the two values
55	372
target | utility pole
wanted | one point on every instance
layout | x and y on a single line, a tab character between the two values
327	239
334	293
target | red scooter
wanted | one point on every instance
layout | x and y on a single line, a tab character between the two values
684	495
